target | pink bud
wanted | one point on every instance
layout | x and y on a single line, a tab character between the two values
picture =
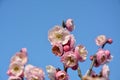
23	50
109	40
70	25
66	48
91	57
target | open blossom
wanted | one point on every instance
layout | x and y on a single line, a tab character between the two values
27	68
62	75
15	69
14	78
58	35
92	78
81	53
102	57
101	40
33	73
105	71
35	77
51	72
69	24
69	59
20	56
57	49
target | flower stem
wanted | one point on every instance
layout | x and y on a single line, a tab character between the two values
79	72
91	66
104	45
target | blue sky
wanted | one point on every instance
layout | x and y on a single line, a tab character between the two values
25	23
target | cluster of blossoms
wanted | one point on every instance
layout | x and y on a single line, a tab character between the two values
56	74
18	70
63	46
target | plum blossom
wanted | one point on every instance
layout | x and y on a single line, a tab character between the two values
51	72
20	56
33	73
102	57
101	40
105	71
27	68
62	75
69	59
34	77
58	35
92	78
57	49
15	69
81	53
14	78
70	25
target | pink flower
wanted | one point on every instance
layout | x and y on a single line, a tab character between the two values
62	75
14	78
92	73
92	78
69	59
57	49
34	77
69	24
51	72
105	71
15	69
58	35
70	44
28	67
33	73
102	57
101	40
81	53
20	56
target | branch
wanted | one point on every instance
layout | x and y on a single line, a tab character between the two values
79	72
91	66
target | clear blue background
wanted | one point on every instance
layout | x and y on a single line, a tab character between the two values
25	23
